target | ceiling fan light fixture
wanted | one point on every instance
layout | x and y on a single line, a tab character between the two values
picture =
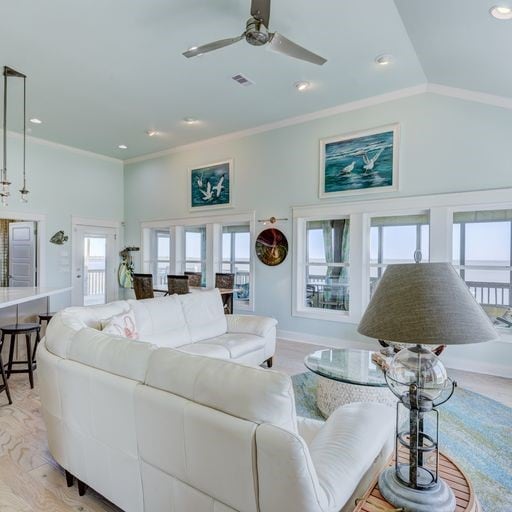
384	60
302	85
122	146
501	12
190	120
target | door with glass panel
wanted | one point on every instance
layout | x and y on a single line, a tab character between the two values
94	265
236	259
195	251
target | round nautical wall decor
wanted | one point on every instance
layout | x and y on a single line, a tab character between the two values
271	247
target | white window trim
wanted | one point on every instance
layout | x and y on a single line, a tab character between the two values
440	208
213	225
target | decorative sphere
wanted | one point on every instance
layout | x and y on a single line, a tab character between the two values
419	366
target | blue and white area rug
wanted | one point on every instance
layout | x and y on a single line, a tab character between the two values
474	430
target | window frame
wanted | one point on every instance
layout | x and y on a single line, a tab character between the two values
440	209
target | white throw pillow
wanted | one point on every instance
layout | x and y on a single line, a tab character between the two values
121	325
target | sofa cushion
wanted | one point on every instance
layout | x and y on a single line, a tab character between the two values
247	392
121	325
236	344
206	349
161	321
113	354
204	314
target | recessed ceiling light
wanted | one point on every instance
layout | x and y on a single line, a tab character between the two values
384	60
501	12
302	85
34	120
151	133
122	146
190	120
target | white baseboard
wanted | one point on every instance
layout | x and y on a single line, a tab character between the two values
455	362
475	366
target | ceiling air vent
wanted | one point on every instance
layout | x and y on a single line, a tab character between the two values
242	80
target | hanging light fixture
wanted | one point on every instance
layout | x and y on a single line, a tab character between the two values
4	182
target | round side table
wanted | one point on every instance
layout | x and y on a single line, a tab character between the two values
346	376
466	500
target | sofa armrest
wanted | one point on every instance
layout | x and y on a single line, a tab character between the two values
250	324
308	428
348	445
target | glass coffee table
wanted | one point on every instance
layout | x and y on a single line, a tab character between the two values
346	376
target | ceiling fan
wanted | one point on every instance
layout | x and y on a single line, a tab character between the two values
257	33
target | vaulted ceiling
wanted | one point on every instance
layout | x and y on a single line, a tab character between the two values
102	72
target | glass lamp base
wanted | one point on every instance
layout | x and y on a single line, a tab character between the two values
439	497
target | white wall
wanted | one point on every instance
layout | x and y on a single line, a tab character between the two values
63	182
448	145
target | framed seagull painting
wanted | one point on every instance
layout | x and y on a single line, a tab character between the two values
360	163
210	186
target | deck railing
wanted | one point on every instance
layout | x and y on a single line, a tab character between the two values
491	294
95	282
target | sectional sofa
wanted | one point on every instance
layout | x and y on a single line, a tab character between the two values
160	429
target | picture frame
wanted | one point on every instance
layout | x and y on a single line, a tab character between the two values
210	186
361	162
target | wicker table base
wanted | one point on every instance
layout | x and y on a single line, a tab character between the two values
331	394
465	497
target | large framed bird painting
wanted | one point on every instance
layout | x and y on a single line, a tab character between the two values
210	186
360	163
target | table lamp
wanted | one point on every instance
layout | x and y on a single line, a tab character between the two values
421	304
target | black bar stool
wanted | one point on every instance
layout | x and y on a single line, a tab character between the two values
4	386
15	330
45	317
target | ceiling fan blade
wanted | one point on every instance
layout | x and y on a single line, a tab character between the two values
280	44
260	10
210	47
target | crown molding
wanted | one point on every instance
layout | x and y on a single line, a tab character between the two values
320	114
57	145
441	90
468	95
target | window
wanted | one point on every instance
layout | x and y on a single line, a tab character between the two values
396	239
327	264
195	251
482	253
236	258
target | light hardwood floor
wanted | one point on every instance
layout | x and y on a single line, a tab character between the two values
31	481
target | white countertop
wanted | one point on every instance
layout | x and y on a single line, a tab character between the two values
11	296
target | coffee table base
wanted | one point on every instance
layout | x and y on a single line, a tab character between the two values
331	394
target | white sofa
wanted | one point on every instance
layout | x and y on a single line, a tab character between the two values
160	430
194	323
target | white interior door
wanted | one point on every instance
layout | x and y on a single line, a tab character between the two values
94	265
22	254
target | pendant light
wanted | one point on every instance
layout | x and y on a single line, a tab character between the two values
4	182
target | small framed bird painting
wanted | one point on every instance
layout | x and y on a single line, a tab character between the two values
210	186
360	163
